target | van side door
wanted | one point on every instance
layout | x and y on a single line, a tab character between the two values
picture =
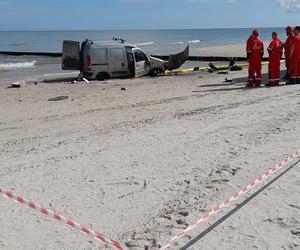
118	62
142	63
70	55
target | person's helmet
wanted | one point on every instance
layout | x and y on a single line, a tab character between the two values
255	33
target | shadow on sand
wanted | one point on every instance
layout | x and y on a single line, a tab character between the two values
236	84
236	209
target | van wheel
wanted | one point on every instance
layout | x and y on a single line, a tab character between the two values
156	72
102	76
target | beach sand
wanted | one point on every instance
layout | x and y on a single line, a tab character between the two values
142	164
234	50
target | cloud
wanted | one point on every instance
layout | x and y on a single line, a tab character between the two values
290	5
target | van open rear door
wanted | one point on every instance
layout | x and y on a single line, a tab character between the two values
70	55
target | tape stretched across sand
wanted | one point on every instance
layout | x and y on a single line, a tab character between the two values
227	202
102	238
57	216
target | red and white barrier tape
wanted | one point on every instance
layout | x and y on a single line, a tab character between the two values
101	237
57	216
227	202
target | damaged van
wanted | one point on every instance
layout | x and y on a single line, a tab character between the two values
111	59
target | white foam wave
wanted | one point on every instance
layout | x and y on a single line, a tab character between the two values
17	65
183	42
178	42
194	41
144	44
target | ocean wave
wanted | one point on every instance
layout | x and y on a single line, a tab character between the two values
144	44
181	42
186	42
194	41
17	65
18	44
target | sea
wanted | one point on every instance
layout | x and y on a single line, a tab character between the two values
157	42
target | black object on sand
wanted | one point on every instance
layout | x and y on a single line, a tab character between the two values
212	66
15	86
228	80
123	89
58	98
236	68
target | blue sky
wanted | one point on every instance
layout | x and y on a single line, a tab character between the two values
146	14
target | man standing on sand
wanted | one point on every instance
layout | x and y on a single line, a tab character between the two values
255	52
275	54
295	57
287	49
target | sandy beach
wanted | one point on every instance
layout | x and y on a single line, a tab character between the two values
234	50
141	165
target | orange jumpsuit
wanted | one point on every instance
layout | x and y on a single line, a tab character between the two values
255	50
295	59
287	50
275	51
248	42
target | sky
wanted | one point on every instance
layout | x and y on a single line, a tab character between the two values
146	14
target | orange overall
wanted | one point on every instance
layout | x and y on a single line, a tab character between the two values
275	51
255	50
295	59
287	51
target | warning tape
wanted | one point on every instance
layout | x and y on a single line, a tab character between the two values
227	202
57	216
102	238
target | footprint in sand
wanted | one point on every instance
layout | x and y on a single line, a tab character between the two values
128	186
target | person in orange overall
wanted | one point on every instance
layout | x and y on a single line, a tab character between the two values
249	41
255	52
295	57
275	54
287	49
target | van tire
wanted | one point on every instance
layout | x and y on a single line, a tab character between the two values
156	72
102	76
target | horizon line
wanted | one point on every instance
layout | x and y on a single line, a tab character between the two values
146	29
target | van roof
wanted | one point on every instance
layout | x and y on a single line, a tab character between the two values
112	43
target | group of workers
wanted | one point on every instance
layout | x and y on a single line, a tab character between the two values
291	48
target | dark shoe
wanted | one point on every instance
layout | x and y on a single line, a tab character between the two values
290	83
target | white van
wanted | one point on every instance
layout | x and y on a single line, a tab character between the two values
109	59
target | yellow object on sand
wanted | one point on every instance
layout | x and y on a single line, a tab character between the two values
222	67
